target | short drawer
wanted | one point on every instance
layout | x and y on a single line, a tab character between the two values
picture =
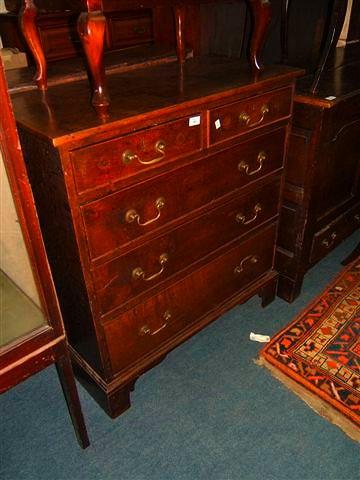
103	164
125	31
141	330
60	42
114	221
240	117
146	267
328	238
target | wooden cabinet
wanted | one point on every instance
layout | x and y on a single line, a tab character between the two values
60	39
321	204
161	218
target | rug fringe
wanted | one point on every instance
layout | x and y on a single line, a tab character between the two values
318	405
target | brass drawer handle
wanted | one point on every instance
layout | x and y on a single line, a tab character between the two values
240	217
252	259
129	156
329	242
132	215
146	330
243	166
245	117
138	273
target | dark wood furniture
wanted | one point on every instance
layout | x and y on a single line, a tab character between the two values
59	37
334	24
321	205
91	29
164	215
33	350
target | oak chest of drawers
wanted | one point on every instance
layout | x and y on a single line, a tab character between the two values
321	204
162	217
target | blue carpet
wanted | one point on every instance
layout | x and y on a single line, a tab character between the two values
206	412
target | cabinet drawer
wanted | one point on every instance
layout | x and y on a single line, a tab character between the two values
146	267
141	330
114	221
134	30
60	42
104	164
331	236
240	117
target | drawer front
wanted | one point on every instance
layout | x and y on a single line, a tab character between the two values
240	117
331	236
141	330
125	32
104	164
114	221
60	42
145	268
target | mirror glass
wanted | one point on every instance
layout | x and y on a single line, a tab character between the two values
20	312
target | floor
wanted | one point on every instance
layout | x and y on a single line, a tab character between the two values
207	412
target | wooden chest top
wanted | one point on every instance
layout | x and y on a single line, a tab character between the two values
64	115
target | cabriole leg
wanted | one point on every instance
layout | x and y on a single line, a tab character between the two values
91	28
180	14
261	13
27	20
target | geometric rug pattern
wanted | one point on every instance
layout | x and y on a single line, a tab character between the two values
320	349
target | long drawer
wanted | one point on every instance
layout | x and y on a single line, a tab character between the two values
114	221
104	164
141	330
146	267
329	237
240	117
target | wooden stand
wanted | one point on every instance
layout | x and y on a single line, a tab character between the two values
91	28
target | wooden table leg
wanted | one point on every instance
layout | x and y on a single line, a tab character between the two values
261	13
336	23
27	21
91	28
180	17
67	380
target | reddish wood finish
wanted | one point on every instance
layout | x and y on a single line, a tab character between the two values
180	17
114	281
91	28
60	40
107	163
31	353
261	12
183	191
27	19
112	223
163	317
240	117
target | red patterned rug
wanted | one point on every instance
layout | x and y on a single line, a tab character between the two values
320	349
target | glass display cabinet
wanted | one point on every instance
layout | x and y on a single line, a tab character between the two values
31	338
